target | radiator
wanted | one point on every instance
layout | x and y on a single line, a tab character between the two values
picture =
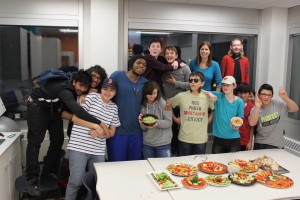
292	146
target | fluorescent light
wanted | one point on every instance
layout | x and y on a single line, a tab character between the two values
153	33
67	30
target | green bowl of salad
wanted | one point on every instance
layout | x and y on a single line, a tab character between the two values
149	119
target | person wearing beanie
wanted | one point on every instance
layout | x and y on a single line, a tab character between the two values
127	142
227	106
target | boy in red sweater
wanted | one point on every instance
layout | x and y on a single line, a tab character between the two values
246	131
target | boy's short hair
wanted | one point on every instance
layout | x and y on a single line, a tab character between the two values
83	77
265	87
243	88
156	40
171	48
199	74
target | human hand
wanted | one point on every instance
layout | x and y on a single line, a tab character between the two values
81	99
175	65
168	105
249	146
140	117
171	80
258	102
283	94
93	133
182	64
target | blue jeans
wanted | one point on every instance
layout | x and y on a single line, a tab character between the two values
156	152
185	149
77	165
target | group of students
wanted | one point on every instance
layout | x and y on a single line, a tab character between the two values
110	115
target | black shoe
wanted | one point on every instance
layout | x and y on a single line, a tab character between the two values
33	187
47	174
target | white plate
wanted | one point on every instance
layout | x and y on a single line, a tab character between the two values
171	178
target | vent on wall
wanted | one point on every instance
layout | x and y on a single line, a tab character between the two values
292	146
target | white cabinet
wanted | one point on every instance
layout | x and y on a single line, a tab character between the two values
10	167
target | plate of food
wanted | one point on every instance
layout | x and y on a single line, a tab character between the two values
163	180
212	167
149	119
275	180
181	169
236	122
245	166
242	178
194	182
267	163
218	180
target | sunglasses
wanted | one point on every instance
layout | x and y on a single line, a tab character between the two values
196	80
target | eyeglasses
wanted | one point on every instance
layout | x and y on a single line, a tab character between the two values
266	95
196	80
95	77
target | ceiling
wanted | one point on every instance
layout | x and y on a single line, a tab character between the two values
255	4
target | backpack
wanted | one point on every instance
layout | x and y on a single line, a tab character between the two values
41	80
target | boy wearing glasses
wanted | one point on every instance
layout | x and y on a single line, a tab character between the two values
268	114
227	138
194	105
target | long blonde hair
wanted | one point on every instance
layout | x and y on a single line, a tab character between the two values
242	51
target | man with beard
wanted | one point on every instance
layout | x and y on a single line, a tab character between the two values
43	110
127	142
236	64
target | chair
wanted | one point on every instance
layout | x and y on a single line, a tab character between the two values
89	182
48	185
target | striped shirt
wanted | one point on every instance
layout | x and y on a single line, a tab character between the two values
80	139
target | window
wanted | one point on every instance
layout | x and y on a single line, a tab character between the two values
188	42
26	51
295	71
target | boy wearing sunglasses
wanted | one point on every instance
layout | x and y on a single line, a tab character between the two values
269	114
226	137
194	105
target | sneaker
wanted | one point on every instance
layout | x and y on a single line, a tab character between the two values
33	187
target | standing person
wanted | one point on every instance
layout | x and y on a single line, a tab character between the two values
246	131
43	114
269	115
194	105
156	138
204	63
155	68
236	64
84	148
227	106
174	82
127	142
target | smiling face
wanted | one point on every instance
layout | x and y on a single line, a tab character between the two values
151	97
204	51
170	55
107	93
79	88
265	96
139	67
228	88
155	49
236	46
244	96
96	79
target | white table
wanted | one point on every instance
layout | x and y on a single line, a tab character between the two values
128	181
254	192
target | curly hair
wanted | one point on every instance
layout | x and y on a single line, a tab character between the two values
99	70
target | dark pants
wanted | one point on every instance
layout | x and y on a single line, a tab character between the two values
175	130
40	119
185	149
263	146
221	145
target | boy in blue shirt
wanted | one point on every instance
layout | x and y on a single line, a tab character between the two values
227	106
